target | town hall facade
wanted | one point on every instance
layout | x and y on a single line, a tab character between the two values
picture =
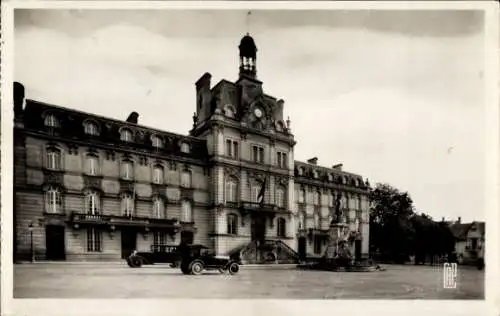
93	188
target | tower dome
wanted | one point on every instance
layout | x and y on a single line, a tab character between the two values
247	47
248	56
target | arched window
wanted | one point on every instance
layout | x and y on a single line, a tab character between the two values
127	169
156	141
158	174
92	164
158	207
359	202
232	224
186	179
317	220
51	120
92	203
126	135
281	227
302	195
231	190
302	221
90	128
280	196
186	212
54	158
127	204
317	198
53	200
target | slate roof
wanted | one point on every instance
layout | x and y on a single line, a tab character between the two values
460	230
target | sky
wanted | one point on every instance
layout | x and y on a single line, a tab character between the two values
396	96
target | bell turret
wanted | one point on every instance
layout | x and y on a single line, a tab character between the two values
248	56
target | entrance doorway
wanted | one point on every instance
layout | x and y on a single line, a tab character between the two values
302	248
55	248
357	249
187	237
129	241
258	229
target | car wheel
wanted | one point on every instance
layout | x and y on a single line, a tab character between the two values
234	268
196	268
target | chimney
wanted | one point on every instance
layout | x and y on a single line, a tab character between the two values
338	166
204	81
313	161
459	220
442	219
18	98
133	118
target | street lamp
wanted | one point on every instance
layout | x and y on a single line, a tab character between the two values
32	253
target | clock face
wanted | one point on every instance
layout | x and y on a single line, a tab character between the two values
258	113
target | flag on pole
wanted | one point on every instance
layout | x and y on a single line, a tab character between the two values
260	197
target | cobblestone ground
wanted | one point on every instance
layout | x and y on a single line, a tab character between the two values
73	280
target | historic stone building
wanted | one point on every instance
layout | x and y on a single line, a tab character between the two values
94	188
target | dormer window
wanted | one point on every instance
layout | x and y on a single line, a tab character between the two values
126	135
300	171
185	148
90	128
51	121
315	174
229	111
156	141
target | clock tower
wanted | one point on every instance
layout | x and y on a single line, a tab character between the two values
251	164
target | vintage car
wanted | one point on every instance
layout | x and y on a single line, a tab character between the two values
158	254
196	258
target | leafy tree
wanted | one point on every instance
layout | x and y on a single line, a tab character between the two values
391	230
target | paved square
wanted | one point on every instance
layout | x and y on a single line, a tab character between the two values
117	280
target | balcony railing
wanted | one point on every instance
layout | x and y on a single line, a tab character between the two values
90	218
115	220
254	206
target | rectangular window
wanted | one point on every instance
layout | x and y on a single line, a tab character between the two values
94	240
127	170
92	204
54	201
281	159
186	179
255	194
232	148
257	154
158	175
127	206
54	160
92	165
158	208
